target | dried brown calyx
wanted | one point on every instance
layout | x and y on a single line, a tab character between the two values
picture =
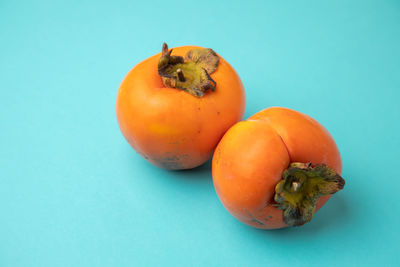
301	187
192	73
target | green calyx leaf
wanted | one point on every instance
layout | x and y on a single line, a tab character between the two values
301	187
192	73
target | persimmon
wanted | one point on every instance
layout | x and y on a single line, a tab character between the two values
173	108
276	169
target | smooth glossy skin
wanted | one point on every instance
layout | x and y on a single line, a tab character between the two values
171	128
252	155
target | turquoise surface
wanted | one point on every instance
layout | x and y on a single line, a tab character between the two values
73	192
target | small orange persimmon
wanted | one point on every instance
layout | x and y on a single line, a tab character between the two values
276	169
174	109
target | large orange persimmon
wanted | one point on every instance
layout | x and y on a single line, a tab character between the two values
276	169
174	108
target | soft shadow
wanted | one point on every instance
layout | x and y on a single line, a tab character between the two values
200	175
201	172
335	213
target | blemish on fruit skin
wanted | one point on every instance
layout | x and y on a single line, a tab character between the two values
172	162
257	221
253	219
143	155
218	113
268	218
265	205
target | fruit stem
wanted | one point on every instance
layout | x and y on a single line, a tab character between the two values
181	77
302	185
192	73
295	186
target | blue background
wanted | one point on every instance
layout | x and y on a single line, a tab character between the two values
73	192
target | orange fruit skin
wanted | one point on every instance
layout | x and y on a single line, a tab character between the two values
251	157
169	127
